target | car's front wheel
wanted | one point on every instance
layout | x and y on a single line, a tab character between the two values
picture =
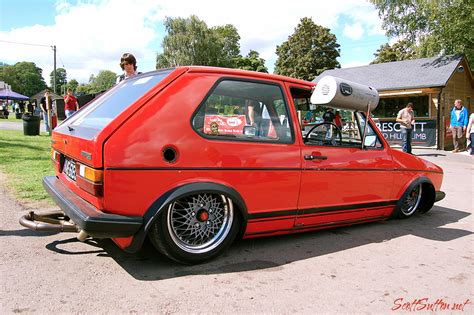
196	227
409	203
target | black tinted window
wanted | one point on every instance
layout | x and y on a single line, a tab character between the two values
103	110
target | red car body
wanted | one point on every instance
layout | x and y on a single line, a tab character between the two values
151	154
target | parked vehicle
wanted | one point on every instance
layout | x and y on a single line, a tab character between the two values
195	157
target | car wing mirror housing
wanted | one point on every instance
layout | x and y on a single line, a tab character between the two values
250	131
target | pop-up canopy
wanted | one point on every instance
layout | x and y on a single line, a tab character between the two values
7	94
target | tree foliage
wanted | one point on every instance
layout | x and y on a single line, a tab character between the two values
433	27
72	84
23	77
251	62
401	50
308	52
190	42
103	81
61	79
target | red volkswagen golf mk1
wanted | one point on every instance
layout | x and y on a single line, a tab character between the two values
194	157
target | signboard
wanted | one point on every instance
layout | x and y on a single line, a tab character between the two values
224	125
424	132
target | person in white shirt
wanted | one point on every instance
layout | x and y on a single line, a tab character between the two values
406	118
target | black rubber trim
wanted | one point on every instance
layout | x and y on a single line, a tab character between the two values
302	228
322	210
440	196
90	219
267	169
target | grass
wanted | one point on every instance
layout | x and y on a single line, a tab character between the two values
25	160
11	118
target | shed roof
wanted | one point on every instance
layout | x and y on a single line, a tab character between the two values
399	75
40	94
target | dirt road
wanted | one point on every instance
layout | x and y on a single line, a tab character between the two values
372	268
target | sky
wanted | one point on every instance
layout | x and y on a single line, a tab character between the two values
91	35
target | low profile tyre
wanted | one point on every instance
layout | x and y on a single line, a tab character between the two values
195	228
409	203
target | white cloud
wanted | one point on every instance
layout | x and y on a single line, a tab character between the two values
354	31
92	35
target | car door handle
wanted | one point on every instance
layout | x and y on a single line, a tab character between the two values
311	157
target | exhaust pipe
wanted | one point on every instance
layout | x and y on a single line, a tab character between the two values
48	221
82	235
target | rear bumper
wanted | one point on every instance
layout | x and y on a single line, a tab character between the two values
439	196
87	217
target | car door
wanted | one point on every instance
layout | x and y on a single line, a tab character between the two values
341	181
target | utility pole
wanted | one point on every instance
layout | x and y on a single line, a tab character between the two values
54	71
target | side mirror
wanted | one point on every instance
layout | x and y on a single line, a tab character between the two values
370	141
250	131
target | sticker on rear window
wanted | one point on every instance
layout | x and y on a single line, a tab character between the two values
142	81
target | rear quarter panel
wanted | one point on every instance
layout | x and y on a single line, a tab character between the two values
266	175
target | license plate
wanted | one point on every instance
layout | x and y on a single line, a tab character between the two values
70	169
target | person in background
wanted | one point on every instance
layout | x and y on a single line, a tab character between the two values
46	103
406	117
470	132
338	120
458	124
128	63
70	103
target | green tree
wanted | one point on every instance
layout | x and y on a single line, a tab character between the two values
83	89
23	77
308	52
401	50
61	79
103	81
227	45
72	84
190	42
434	27
252	62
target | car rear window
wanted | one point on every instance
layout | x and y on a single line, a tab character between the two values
104	109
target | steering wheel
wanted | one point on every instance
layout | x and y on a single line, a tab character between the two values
336	130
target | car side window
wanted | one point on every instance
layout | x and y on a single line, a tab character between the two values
246	111
343	128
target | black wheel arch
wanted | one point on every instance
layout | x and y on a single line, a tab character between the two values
428	195
159	205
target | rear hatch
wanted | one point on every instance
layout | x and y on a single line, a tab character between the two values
77	144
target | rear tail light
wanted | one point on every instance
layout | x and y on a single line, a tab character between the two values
89	179
56	159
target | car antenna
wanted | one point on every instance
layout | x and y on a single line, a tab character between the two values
70	128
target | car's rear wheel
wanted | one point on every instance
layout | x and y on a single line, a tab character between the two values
196	227
409	203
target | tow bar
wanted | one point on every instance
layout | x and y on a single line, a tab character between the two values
48	221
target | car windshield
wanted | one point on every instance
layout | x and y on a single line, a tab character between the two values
103	110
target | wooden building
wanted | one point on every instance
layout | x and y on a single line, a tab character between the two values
431	84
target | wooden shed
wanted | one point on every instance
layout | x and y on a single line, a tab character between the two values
431	84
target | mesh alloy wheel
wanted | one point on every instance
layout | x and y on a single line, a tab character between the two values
411	202
199	223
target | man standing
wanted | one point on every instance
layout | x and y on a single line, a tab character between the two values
458	124
406	118
70	103
46	107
